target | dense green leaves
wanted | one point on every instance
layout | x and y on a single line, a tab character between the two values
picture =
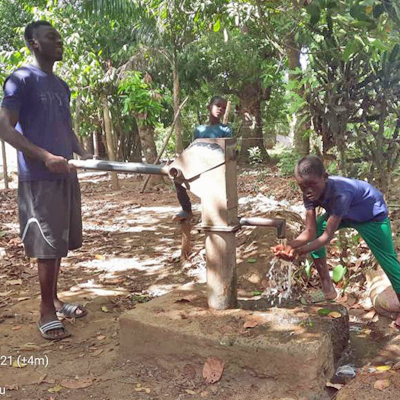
139	98
346	89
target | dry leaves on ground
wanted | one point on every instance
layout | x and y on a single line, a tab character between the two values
382	384
250	324
213	369
77	383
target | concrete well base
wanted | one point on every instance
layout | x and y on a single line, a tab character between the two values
294	349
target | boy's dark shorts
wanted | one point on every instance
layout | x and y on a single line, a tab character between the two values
50	217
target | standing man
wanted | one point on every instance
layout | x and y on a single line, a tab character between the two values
35	118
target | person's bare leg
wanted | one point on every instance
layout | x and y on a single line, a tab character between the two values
397	320
327	285
57	302
46	279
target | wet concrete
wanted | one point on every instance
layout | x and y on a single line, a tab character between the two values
294	350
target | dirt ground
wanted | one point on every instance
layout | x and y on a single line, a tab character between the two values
131	253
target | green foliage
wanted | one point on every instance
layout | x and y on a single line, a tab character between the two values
139	98
338	273
287	162
255	156
307	265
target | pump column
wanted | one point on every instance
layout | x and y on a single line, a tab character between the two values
220	223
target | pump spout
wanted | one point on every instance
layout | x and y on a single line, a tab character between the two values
279	223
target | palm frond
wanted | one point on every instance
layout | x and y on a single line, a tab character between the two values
116	9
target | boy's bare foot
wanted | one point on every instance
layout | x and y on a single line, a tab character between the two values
332	295
328	289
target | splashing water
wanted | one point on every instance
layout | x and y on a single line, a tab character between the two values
279	279
282	242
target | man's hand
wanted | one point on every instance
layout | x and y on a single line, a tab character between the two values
57	164
285	252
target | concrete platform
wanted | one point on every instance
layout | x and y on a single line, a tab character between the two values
293	349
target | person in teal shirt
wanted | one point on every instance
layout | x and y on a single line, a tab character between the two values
214	130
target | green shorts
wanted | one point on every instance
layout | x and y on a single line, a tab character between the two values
50	217
378	236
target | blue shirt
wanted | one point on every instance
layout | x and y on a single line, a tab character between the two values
42	101
351	199
212	131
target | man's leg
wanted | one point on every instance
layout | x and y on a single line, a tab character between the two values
58	304
319	258
47	268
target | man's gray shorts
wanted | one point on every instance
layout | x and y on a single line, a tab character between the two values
50	217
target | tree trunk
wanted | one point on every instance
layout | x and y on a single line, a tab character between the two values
109	140
4	156
301	138
250	112
136	148
146	133
177	102
77	113
87	144
95	143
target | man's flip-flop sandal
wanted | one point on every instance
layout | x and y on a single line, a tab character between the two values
52	326
317	296
70	311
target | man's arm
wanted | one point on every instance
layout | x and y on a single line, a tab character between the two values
8	133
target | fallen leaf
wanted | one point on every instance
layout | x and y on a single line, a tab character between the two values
336	386
104	309
335	314
16	364
97	353
101	337
99	257
12	387
189	371
213	369
16	328
23	298
251	260
188	391
250	324
30	347
13	282
186	298
382	384
14	241
142	389
41	379
5	294
55	389
204	394
77	383
383	368
324	311
396	366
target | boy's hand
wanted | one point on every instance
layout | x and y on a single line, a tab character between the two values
285	252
